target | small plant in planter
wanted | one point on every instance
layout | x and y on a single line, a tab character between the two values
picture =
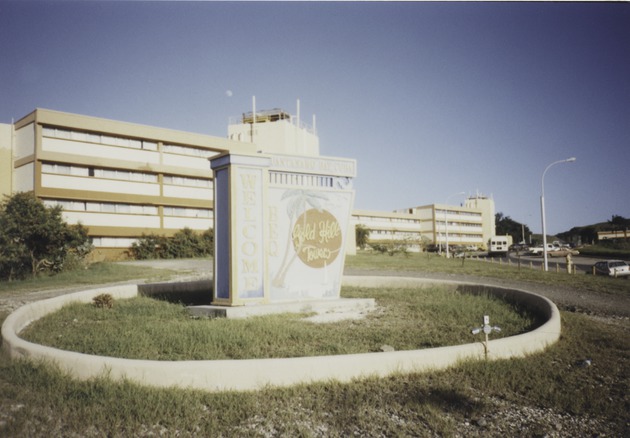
103	301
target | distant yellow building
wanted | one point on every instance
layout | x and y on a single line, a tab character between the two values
470	225
618	234
385	227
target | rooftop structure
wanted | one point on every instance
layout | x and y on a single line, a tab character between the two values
272	115
276	131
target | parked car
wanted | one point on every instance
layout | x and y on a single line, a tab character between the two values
538	250
612	268
563	252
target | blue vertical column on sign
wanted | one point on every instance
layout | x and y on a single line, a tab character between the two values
240	261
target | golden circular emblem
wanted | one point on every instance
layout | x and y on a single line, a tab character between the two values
317	238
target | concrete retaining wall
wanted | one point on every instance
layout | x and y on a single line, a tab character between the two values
216	375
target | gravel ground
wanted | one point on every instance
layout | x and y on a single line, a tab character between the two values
508	419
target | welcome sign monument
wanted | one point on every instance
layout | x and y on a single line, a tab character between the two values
280	225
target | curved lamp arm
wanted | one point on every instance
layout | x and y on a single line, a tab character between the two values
542	208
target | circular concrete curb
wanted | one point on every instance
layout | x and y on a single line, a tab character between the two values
252	374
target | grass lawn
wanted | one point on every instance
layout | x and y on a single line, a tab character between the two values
97	273
143	328
554	393
431	263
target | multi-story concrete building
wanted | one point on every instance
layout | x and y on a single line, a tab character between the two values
485	205
120	180
464	225
469	225
6	161
123	180
385	228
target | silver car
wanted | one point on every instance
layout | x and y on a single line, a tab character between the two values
612	268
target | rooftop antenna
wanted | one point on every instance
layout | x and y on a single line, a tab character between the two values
299	133
253	116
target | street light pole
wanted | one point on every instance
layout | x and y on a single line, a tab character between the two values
542	208
446	220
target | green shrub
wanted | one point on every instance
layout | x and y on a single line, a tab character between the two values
184	244
103	301
392	248
149	246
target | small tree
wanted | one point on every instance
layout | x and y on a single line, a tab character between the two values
617	223
362	235
506	225
34	238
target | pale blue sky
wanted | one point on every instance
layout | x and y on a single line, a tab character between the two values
431	98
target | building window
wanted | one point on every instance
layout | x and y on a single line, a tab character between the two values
125	175
185	150
94	137
188	182
65	169
113	242
65	205
188	212
102	207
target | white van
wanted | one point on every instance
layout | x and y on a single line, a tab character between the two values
499	245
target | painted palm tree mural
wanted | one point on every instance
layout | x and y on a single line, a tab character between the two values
298	203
